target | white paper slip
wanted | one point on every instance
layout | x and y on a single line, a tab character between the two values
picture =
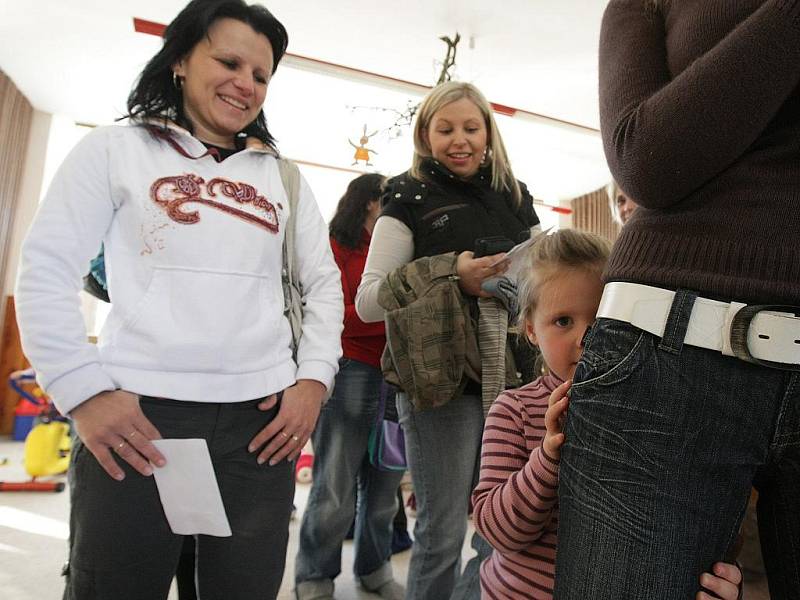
188	489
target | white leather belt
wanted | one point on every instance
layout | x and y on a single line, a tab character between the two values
755	333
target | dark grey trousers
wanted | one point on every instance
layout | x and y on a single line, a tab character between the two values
121	547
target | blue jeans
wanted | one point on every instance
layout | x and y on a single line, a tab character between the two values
342	472
663	442
443	447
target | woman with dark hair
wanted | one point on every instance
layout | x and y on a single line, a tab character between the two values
689	376
158	93
356	213
344	478
189	205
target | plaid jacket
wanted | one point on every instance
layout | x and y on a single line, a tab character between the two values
431	338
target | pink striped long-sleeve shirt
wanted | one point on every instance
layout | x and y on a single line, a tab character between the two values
515	505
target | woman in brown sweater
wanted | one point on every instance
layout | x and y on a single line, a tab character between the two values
687	393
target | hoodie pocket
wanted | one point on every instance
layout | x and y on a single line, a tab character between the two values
203	321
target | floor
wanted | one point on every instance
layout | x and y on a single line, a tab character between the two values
34	529
33	534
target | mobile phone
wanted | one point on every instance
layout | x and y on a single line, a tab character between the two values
495	244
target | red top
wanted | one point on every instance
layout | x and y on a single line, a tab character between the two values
361	341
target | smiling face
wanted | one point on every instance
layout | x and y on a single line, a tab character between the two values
567	304
456	137
225	79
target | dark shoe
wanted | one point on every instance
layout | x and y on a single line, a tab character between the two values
401	541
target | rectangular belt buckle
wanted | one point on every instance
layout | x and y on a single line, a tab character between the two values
740	326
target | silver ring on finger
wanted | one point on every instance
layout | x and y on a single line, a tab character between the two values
295	438
120	446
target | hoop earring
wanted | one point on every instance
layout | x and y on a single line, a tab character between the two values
176	81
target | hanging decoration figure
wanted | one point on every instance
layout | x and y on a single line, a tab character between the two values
362	152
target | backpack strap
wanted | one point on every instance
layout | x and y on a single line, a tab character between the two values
290	178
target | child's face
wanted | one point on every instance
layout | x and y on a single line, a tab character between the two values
567	306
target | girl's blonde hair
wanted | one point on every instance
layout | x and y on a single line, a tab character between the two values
451	91
566	249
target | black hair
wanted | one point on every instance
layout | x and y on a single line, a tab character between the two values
155	95
351	212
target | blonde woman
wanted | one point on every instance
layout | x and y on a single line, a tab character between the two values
460	188
621	205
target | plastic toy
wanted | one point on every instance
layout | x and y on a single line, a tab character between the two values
47	439
304	467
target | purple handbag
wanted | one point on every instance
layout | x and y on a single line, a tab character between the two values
387	443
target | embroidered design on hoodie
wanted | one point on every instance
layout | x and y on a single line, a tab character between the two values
171	193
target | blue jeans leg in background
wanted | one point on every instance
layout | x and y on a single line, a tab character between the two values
341	470
663	441
443	448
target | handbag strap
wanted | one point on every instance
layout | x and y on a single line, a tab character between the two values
290	178
382	402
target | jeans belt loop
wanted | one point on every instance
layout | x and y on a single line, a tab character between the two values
680	313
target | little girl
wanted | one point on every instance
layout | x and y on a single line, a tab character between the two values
516	500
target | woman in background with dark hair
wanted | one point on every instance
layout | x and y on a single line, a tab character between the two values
189	205
344	478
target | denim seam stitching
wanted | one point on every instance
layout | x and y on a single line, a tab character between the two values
427	550
615	367
774	443
734	531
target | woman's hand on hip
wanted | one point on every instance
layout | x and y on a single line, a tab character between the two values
114	422
473	271
289	431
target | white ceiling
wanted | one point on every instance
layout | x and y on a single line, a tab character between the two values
79	58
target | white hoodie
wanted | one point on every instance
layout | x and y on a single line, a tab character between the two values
193	263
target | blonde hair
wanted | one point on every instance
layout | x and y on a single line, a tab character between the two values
613	190
451	91
566	249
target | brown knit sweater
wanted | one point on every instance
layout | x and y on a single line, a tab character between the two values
700	115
